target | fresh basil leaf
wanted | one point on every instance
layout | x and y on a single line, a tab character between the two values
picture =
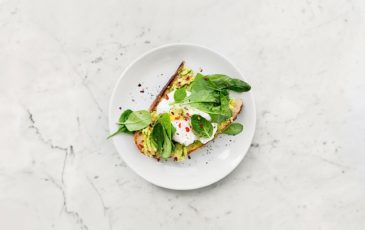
201	126
221	81
138	120
233	129
180	94
157	136
124	116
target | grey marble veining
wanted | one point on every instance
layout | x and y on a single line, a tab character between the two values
61	59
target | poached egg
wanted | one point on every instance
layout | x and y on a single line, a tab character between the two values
184	133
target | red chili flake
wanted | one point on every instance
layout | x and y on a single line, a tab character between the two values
206	78
175	158
179	125
186	119
187	129
158	159
201	125
167	97
188	78
177	118
188	114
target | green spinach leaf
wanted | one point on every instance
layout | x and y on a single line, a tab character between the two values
157	136
201	126
201	83
167	147
137	120
180	94
224	106
217	111
161	135
173	130
233	129
122	128
202	96
164	120
124	116
221	81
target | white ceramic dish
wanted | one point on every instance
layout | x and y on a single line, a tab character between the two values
208	164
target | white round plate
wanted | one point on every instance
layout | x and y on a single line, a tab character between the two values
208	164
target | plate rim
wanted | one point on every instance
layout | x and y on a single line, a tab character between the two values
132	63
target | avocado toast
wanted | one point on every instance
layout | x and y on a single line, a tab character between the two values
191	110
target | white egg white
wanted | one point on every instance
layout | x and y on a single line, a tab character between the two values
184	133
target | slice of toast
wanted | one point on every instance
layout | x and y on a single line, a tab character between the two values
139	136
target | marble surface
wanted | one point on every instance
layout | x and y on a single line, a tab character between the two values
61	59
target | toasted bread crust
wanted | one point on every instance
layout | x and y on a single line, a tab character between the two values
138	135
138	140
164	90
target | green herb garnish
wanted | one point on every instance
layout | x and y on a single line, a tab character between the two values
161	135
130	121
157	136
210	94
201	126
233	129
122	129
221	81
180	94
137	120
